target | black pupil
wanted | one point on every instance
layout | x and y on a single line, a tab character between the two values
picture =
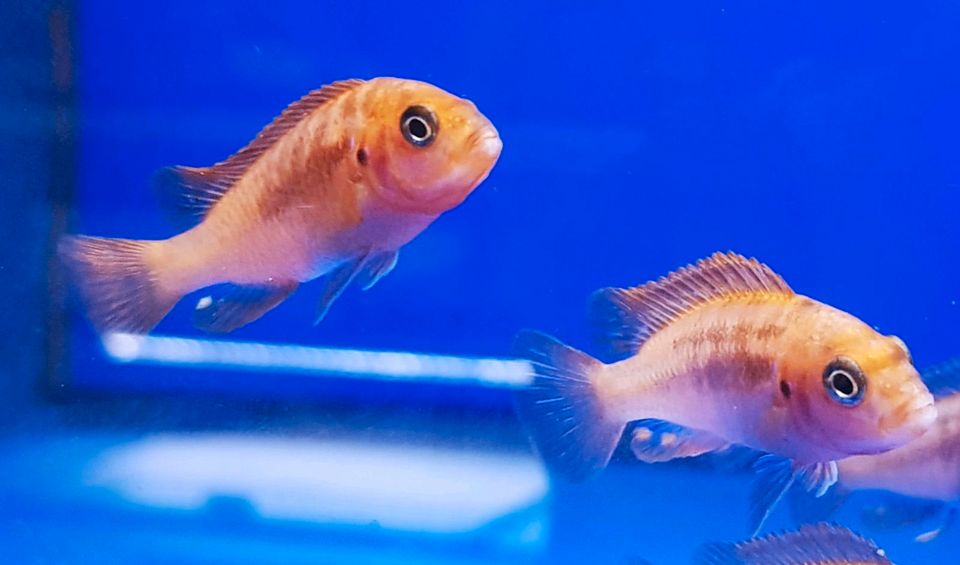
418	128
843	383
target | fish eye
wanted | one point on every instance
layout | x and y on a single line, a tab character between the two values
844	381
418	125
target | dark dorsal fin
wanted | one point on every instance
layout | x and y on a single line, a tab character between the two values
193	190
629	316
816	543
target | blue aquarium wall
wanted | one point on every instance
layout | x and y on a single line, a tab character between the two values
638	137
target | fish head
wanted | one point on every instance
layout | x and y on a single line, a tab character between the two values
859	391
425	149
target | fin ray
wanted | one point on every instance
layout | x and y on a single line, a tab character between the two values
629	316
774	477
192	191
815	543
561	408
337	281
116	283
375	268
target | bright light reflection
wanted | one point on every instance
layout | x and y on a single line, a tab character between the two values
188	352
399	487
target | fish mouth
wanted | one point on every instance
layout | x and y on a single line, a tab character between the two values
487	141
910	419
491	145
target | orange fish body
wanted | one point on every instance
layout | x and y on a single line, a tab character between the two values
722	353
334	186
760	359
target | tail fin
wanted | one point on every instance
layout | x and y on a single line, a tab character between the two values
561	409
116	283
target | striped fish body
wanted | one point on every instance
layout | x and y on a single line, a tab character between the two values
340	181
724	353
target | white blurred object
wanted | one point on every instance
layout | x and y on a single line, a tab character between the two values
398	487
189	352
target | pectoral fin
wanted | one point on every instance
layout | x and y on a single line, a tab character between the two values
239	306
337	281
376	267
775	475
654	441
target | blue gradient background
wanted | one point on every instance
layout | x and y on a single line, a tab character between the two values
820	137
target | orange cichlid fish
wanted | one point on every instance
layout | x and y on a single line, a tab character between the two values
338	182
818	544
927	469
724	353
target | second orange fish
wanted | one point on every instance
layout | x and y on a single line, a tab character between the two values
724	352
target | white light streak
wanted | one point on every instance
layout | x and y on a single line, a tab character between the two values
253	356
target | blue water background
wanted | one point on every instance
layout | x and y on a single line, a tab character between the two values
820	137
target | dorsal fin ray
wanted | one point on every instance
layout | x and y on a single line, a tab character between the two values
194	190
812	543
629	316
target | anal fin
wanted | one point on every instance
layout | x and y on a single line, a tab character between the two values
239	306
655	441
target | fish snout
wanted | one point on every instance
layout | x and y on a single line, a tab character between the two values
490	144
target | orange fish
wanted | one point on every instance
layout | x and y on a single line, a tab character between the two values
817	544
724	353
338	182
927	469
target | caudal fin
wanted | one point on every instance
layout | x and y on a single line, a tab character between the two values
561	409
115	282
